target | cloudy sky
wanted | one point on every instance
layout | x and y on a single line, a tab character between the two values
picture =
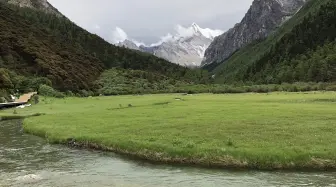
148	20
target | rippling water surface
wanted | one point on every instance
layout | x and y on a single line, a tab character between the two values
27	160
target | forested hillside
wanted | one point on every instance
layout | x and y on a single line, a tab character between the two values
303	50
44	48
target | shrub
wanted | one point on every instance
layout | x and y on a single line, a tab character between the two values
46	90
3	100
69	94
191	92
84	93
331	88
36	99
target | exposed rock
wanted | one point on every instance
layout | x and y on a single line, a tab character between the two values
263	17
42	5
128	44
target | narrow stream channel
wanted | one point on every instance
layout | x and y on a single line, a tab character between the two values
27	160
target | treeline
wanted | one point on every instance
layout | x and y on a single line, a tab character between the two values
36	44
302	50
166	87
119	81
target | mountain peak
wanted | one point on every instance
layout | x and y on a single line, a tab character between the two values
195	27
128	44
206	32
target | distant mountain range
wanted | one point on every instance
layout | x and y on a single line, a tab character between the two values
184	48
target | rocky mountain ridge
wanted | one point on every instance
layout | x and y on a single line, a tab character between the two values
263	18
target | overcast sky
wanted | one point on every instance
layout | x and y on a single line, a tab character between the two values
148	20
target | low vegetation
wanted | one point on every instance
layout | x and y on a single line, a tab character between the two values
121	82
259	131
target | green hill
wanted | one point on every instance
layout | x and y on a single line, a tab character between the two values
303	49
39	48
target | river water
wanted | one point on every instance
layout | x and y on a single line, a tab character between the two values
27	160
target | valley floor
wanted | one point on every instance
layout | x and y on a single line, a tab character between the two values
253	131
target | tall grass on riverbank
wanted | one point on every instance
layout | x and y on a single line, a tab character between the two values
258	131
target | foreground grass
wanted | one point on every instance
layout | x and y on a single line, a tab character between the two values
259	131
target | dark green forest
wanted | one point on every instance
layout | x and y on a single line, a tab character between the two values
37	47
302	51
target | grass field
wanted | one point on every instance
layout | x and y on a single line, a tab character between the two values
256	131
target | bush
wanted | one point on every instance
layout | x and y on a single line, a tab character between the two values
3	100
84	93
331	88
60	95
36	99
46	90
69	94
191	92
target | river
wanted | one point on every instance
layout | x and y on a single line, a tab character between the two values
27	160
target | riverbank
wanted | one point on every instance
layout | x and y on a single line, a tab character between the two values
7	117
54	165
249	131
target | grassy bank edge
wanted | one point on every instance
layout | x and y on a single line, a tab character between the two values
13	117
225	162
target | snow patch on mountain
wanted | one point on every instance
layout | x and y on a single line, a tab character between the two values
118	35
186	46
186	32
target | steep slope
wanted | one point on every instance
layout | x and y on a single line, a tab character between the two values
29	51
38	44
186	48
42	5
303	49
263	17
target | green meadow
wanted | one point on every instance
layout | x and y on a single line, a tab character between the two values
251	131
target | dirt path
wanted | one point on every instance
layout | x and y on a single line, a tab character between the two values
25	97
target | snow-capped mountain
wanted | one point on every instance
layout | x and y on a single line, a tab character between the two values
129	44
186	47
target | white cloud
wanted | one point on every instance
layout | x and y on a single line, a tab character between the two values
137	42
189	31
118	35
97	27
163	39
184	32
146	20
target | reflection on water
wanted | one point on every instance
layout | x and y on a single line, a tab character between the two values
29	161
